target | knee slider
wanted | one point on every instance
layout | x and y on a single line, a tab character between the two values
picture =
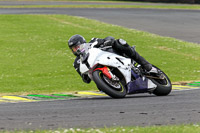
122	42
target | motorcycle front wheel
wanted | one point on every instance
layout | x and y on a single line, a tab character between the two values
114	89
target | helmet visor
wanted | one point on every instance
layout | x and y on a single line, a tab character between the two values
75	48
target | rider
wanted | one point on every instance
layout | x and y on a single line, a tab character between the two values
119	45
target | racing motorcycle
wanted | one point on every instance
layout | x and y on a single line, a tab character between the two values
118	76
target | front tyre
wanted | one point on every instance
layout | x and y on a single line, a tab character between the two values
114	89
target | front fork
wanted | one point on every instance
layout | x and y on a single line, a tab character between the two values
106	71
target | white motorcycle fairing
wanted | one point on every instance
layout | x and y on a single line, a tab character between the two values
98	56
98	64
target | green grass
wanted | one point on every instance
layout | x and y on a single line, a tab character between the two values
35	58
70	0
167	6
195	128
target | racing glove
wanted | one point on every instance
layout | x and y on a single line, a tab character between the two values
99	42
85	78
109	42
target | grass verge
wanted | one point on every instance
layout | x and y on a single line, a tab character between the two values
195	128
167	6
35	58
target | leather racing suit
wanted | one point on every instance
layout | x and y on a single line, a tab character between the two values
120	47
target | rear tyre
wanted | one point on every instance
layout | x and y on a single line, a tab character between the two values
164	85
114	89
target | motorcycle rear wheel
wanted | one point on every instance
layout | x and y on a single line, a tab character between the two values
164	85
114	90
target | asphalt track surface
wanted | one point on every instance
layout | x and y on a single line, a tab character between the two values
180	107
135	110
